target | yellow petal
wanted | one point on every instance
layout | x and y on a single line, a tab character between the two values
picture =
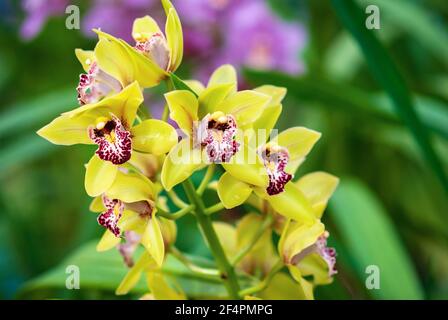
245	165
211	98
144	28
299	237
153	136
266	121
314	265
195	85
183	107
67	131
97	205
174	37
107	241
126	64
85	57
276	93
131	221
123	105
227	236
245	105
160	287
223	75
306	287
291	203
318	188
298	140
134	274
152	240
169	230
282	287
232	192
131	187
180	163
99	176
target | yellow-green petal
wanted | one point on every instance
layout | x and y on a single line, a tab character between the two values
266	121
298	140
134	274
223	75
107	241
211	98
99	177
152	240
276	93
245	105
144	28
126	64
131	187
282	287
314	265
65	130
231	191
174	37
180	163
299	237
85	57
195	85
306	286
227	236
97	205
318	188
160	288
153	136
183	106
291	203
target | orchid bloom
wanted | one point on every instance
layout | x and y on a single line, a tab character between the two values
109	124
280	158
210	118
153	55
127	208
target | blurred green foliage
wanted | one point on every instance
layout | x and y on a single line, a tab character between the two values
390	209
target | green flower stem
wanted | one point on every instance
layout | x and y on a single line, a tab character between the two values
264	226
177	214
227	272
205	272
263	284
176	200
214	208
207	177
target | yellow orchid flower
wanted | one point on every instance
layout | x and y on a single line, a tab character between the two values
159	287
152	57
128	207
280	158
261	257
109	124
211	120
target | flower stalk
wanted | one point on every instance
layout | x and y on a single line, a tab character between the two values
228	274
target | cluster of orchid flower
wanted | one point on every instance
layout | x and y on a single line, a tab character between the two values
140	162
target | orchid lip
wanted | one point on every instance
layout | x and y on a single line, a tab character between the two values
109	218
95	84
113	140
155	48
275	158
216	133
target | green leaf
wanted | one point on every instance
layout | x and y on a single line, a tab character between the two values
104	271
34	113
342	97
429	31
385	72
369	237
180	85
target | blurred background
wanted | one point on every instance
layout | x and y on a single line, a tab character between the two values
391	208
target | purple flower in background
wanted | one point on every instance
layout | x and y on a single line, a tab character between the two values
37	13
242	33
116	16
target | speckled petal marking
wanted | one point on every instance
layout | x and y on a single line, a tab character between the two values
109	218
275	159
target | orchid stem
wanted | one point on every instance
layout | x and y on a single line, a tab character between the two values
227	272
176	200
265	225
209	273
214	208
177	214
207	177
263	284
